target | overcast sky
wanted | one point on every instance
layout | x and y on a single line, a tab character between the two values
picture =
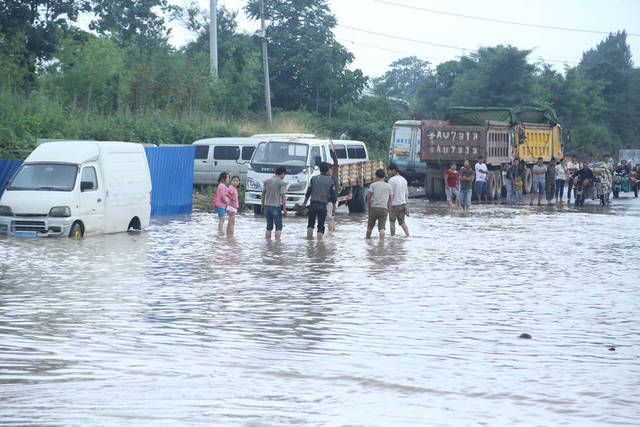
374	52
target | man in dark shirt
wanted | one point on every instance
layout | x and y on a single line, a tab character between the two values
321	191
550	179
624	168
585	175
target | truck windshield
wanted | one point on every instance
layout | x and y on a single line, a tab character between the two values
45	177
281	153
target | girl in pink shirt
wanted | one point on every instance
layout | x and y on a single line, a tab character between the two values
232	204
219	201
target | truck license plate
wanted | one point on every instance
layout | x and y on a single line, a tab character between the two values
25	233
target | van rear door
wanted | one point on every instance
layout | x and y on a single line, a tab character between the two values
91	199
202	165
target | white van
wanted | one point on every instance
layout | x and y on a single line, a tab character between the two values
73	188
216	155
301	157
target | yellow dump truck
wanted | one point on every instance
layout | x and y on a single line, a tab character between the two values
535	140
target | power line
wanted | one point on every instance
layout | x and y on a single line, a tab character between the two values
391	50
404	38
465	50
499	21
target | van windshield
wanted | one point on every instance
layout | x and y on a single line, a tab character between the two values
45	177
281	153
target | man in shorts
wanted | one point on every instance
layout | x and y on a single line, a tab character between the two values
539	182
274	201
451	184
379	202
322	190
399	200
482	188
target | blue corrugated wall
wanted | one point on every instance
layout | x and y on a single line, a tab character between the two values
7	169
171	179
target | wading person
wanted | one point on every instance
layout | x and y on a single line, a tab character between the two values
482	189
452	181
399	200
513	170
322	190
573	166
550	182
379	202
517	189
274	201
220	200
562	176
232	204
539	171
466	185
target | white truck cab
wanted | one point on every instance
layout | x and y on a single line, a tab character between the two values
73	188
301	157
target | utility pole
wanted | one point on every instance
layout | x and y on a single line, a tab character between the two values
213	38
265	65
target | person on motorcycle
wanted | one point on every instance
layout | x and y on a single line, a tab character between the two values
584	176
623	169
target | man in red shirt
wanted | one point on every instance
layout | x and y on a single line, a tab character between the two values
451	185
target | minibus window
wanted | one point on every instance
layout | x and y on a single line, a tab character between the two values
356	152
226	152
247	152
341	151
202	151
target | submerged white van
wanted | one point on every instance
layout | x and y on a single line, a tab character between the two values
73	188
301	157
216	155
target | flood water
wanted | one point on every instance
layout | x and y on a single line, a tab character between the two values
180	326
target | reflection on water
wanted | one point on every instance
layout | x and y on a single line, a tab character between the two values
180	325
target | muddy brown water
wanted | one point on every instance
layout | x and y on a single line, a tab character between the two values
180	326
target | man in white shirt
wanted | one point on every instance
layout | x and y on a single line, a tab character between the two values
482	187
573	166
398	201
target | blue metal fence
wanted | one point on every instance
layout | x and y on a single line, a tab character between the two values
171	179
7	169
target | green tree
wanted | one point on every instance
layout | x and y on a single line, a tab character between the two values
131	20
404	78
304	55
38	24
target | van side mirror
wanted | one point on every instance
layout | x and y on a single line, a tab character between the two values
86	186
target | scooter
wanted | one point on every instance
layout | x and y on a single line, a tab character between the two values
621	183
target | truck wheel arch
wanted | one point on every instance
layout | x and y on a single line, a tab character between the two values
134	224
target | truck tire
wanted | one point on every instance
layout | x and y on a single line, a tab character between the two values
527	180
358	202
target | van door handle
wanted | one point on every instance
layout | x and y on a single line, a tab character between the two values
99	200
215	163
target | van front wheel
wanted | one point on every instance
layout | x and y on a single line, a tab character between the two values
76	231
